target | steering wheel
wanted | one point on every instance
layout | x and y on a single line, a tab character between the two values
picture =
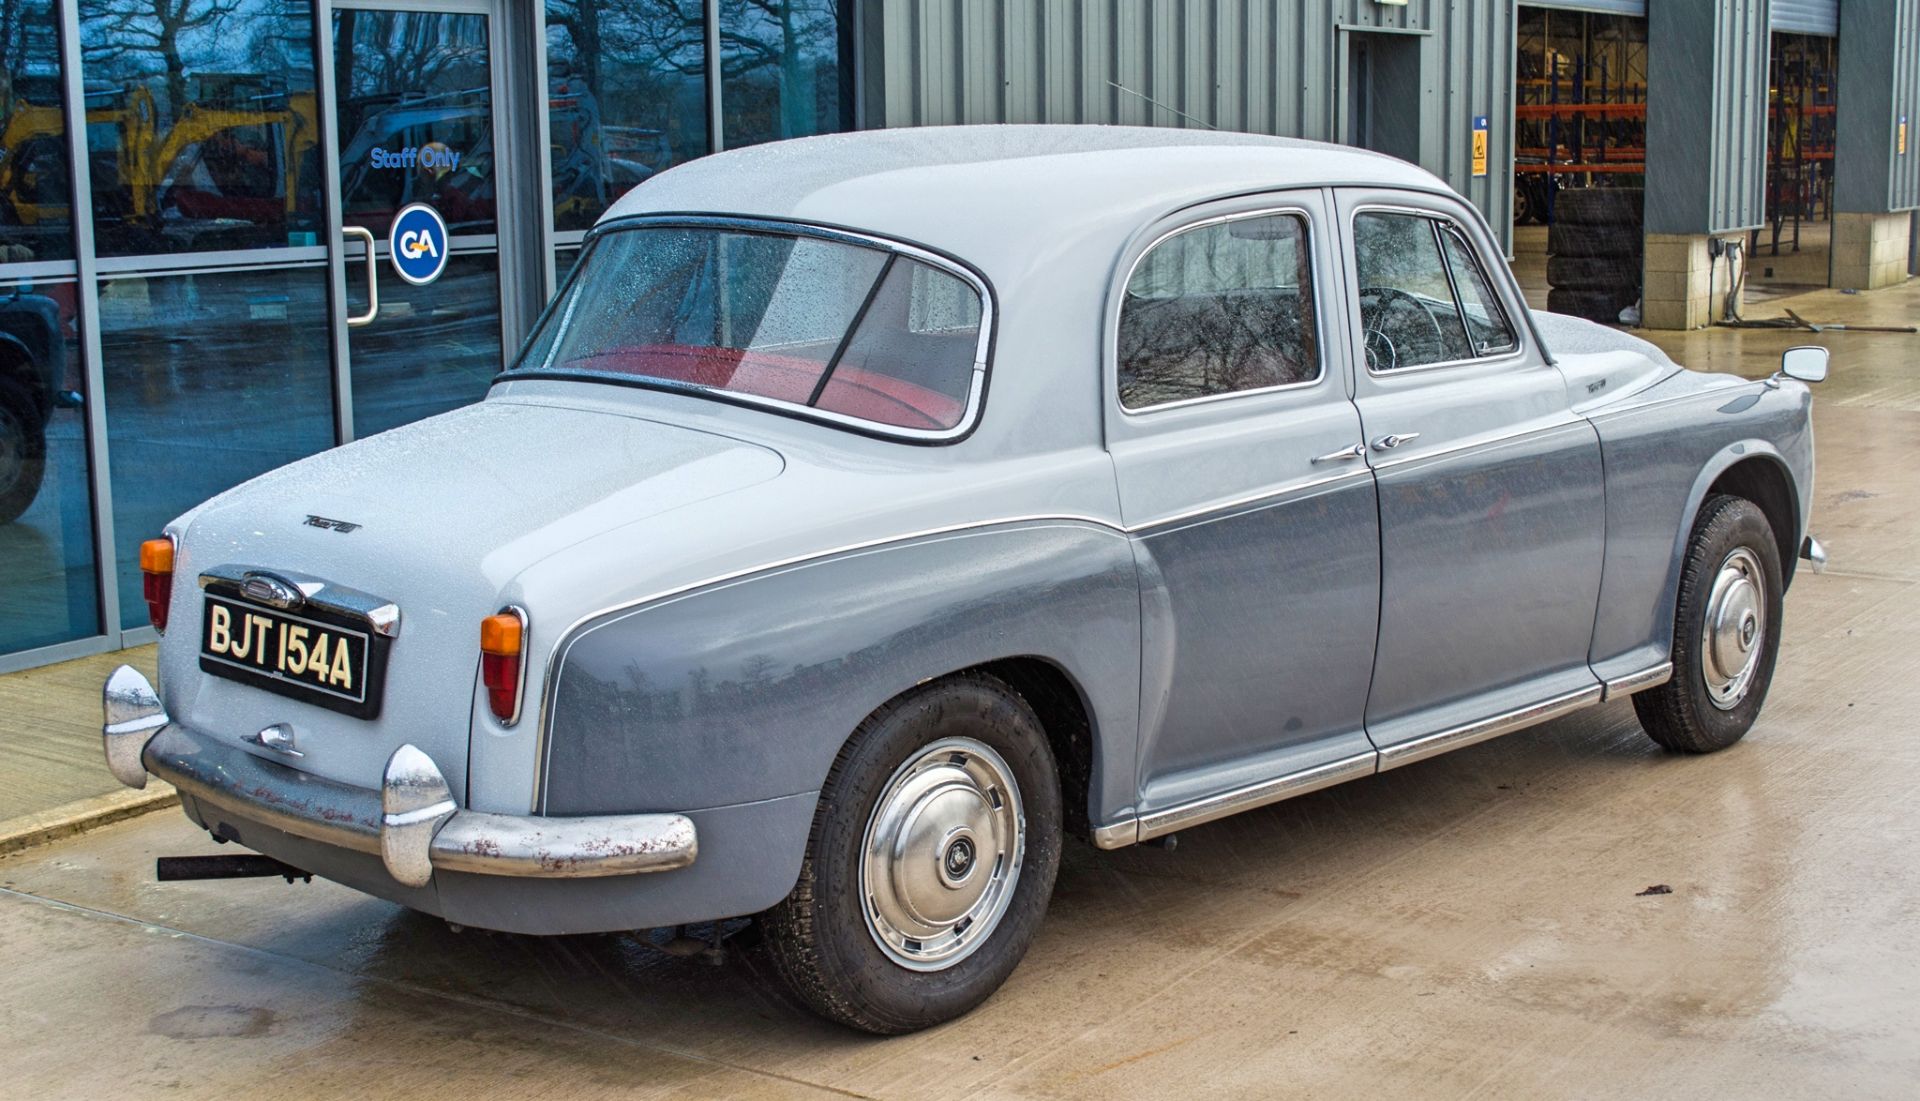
1375	334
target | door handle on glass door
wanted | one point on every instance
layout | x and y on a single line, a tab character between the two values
1394	439
356	320
1341	455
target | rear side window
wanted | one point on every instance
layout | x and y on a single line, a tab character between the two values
808	322
1219	309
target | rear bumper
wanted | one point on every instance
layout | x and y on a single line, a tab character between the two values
410	823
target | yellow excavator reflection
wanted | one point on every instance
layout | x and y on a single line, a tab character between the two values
234	161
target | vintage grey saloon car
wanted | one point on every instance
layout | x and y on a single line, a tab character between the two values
869	514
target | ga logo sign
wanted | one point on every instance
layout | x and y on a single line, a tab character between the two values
417	242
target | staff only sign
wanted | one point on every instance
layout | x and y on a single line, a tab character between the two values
417	243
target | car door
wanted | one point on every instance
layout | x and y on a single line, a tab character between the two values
1490	490
1242	486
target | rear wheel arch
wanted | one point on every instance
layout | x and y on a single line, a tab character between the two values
1061	705
1065	714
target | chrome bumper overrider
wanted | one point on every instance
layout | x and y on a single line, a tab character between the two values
411	823
1814	553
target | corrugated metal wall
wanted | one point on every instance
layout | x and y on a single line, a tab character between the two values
1263	66
1706	168
1879	88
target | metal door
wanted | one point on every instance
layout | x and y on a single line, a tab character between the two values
1491	499
1255	528
417	97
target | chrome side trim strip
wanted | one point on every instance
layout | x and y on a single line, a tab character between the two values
1634	682
1478	442
1432	745
1251	500
1213	807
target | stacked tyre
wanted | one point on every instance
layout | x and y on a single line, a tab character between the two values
1594	252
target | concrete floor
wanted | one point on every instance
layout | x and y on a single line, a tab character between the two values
1472	925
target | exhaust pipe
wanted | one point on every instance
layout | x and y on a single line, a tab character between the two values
175	869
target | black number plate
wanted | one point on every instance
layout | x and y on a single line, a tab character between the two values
329	664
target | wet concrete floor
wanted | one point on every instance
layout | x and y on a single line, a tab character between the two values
1470	926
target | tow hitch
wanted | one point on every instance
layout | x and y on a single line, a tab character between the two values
173	869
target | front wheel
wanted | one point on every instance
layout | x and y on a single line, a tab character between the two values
1726	632
930	864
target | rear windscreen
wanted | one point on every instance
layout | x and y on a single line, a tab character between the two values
845	328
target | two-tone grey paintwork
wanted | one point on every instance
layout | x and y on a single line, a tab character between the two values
717	595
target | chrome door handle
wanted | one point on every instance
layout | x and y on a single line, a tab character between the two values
373	278
1341	455
1394	439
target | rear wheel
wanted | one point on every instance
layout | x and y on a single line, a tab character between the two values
930	864
1726	632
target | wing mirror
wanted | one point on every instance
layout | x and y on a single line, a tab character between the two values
1807	363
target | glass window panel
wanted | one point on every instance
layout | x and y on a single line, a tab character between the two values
627	97
911	361
36	205
1219	309
211	380
48	589
434	348
767	314
416	117
784	69
202	124
1407	309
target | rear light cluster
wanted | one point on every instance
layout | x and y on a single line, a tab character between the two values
156	579
502	638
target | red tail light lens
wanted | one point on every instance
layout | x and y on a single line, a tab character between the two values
501	639
156	579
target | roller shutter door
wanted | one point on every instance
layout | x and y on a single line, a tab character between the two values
1611	7
1808	16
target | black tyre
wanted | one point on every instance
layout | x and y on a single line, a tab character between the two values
1610	207
1526	204
1595	305
1581	240
23	455
1608	273
930	864
1726	632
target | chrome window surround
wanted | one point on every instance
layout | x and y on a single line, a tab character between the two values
1443	230
1319	326
1519	348
983	352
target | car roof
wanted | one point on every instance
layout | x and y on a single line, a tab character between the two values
997	195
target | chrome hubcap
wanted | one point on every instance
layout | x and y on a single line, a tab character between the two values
1735	630
941	854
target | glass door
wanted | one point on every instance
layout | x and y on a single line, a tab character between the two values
415	127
